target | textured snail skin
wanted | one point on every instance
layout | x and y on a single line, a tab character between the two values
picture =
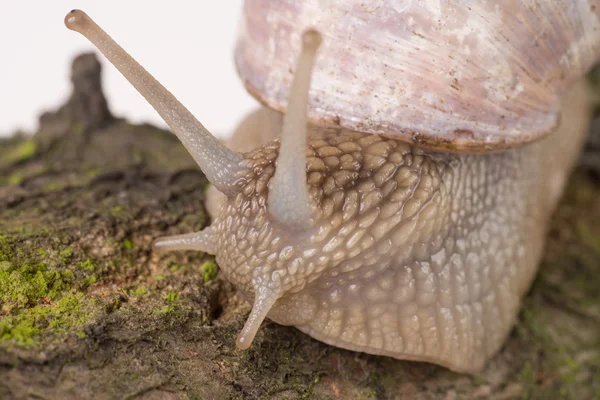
415	255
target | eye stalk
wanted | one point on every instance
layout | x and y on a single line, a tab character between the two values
220	165
289	198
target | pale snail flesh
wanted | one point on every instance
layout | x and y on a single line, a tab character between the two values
364	241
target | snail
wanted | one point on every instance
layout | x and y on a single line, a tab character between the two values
399	207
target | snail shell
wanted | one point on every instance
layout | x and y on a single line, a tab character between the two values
454	75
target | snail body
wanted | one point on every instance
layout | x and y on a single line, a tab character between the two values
429	264
361	239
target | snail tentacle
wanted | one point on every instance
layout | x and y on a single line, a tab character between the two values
220	164
264	299
199	241
289	199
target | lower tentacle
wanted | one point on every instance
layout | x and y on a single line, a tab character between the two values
199	241
264	300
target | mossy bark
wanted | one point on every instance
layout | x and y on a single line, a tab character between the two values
88	311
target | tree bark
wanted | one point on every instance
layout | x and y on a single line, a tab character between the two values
87	311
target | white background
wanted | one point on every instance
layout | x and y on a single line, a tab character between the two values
188	46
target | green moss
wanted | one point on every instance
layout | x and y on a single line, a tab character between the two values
25	285
308	390
87	265
22	152
81	334
68	275
13	179
117	211
554	343
527	378
26	327
5	248
93	172
28	275
128	244
171	300
586	235
66	254
165	310
176	267
54	186
171	297
139	292
209	270
159	278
